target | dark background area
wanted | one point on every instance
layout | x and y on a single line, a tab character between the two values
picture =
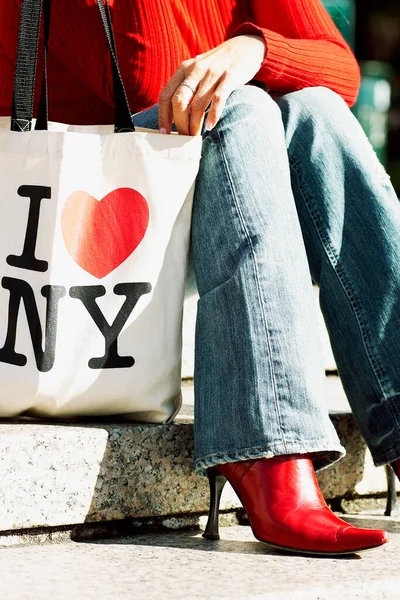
378	38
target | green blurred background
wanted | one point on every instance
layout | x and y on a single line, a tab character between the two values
372	28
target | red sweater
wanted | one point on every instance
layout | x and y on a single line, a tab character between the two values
153	37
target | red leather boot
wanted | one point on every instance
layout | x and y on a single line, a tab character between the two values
286	508
396	467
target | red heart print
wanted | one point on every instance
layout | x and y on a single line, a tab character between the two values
100	235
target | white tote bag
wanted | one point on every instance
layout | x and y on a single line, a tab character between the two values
93	248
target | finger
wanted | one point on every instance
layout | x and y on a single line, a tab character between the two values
181	102
200	102
165	112
218	101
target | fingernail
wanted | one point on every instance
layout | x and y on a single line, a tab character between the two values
208	125
163	130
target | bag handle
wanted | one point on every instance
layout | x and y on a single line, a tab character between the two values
26	64
123	114
43	112
26	68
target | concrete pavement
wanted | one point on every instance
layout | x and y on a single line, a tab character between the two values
183	565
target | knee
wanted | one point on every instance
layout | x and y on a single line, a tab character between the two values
250	104
316	107
314	98
251	96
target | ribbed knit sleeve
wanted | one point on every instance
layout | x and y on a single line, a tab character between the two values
153	37
304	48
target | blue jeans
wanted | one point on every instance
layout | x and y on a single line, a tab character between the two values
290	189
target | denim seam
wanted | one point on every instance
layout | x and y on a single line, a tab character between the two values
394	406
270	448
327	447
343	279
260	300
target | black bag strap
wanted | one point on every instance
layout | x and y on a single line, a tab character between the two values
43	113
123	114
26	67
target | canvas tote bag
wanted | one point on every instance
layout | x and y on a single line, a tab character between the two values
94	240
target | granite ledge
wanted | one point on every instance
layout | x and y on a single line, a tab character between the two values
65	474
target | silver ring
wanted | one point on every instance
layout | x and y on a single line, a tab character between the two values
189	86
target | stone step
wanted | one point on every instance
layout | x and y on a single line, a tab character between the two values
183	565
53	475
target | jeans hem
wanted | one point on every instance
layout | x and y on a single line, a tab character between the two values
386	413
384	458
325	454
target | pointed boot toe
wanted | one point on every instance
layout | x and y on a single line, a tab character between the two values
286	508
356	539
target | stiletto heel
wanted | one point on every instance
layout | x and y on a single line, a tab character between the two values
217	482
391	502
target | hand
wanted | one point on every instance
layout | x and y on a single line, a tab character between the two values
209	79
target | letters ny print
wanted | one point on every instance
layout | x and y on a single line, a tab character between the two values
83	242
